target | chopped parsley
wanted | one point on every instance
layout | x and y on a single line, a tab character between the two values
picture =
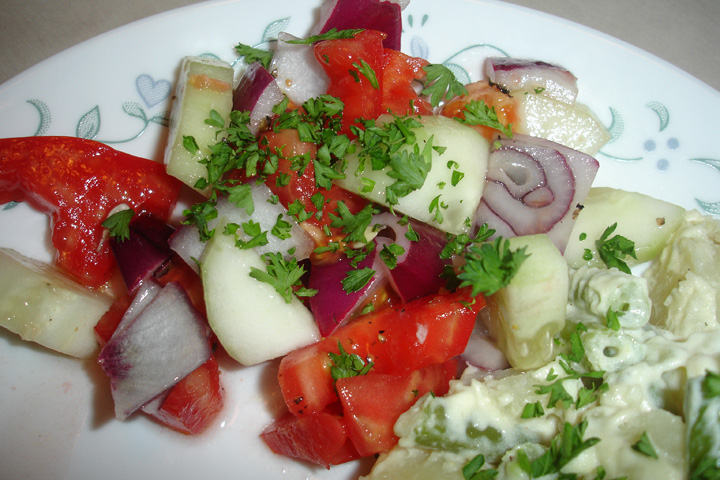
473	469
613	250
283	275
332	34
567	445
356	279
119	224
441	84
253	55
645	446
477	112
346	365
490	266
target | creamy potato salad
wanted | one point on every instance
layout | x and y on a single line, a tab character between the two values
629	395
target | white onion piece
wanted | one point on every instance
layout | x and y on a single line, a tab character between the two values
144	295
384	16
516	74
187	244
164	343
481	352
257	93
534	186
297	72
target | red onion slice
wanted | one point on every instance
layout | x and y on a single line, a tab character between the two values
534	186
332	306
368	14
164	343
143	252
515	74
298	73
418	269
257	93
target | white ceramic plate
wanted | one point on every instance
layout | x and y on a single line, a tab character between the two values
56	413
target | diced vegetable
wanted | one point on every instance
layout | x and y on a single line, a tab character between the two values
533	186
397	340
79	183
455	157
251	319
204	85
525	315
162	344
574	126
43	305
522	76
646	221
298	73
257	93
192	405
378	15
321	438
372	403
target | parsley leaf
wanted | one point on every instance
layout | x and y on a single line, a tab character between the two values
567	445
490	266
352	225
253	54
332	34
409	169
119	224
477	112
645	446
441	84
283	275
613	250
366	71
346	365
532	410
357	279
473	469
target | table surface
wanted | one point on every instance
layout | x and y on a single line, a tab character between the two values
682	33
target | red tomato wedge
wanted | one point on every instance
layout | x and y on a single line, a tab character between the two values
193	403
398	340
399	73
369	79
355	68
320	439
300	186
372	403
78	182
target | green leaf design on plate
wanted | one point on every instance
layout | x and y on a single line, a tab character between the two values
662	113
617	125
272	30
134	110
45	117
89	124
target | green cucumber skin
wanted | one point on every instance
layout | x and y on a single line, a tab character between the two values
190	109
645	220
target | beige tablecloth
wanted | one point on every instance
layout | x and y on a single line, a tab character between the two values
685	33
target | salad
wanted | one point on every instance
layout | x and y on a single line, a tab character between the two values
403	222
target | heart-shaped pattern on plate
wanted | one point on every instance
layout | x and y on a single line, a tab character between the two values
152	92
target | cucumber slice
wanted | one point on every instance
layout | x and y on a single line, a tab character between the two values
574	126
525	316
251	320
204	85
645	220
42	305
466	152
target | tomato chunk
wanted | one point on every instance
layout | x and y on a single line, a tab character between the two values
354	67
399	73
397	340
78	182
372	403
193	403
320	438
